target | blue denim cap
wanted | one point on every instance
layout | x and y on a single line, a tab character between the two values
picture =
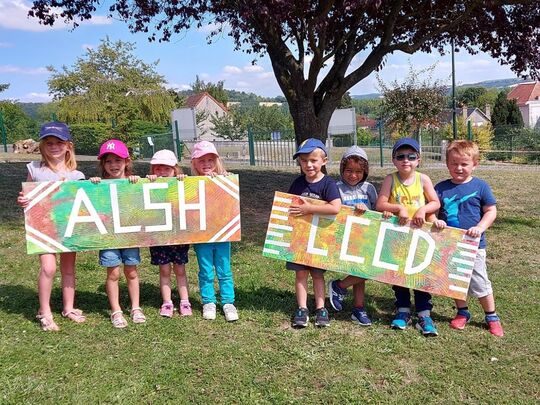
56	129
410	142
309	145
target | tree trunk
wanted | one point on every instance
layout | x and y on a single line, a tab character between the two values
308	123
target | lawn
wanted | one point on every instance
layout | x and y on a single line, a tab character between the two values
260	358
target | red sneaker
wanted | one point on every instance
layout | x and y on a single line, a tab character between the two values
460	320
495	327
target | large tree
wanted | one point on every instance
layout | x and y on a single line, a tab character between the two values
331	34
110	84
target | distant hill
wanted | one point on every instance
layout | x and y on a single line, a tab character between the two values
488	84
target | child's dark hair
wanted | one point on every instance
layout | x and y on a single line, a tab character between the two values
361	161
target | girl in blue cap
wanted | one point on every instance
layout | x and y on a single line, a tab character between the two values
57	164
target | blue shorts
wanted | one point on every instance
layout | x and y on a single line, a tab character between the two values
177	254
115	257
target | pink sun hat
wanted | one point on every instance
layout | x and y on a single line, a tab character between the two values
203	148
164	157
115	147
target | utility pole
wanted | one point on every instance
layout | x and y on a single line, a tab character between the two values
454	118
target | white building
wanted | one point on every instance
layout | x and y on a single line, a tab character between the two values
527	96
205	103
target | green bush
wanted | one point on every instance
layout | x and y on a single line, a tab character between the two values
87	138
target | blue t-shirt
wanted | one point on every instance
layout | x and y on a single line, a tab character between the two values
462	204
325	189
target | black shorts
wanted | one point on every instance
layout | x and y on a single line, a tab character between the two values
177	254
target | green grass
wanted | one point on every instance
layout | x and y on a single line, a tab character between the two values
260	359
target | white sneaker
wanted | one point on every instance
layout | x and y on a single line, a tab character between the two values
209	311
231	314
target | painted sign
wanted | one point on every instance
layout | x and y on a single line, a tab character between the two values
368	246
69	216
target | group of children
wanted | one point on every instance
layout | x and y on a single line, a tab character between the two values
58	163
462	201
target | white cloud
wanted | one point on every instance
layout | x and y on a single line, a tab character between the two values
243	84
88	46
208	28
265	75
177	86
232	70
23	70
14	15
253	69
36	98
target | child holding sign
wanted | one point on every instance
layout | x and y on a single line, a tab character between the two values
57	164
312	157
356	192
205	161
409	195
468	203
165	164
114	163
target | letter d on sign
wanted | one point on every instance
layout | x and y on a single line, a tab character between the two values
417	234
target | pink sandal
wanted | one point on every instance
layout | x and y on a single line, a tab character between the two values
76	315
137	315
47	322
118	320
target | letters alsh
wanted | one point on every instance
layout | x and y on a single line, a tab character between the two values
79	215
368	246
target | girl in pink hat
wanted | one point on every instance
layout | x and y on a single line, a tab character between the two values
165	164
205	161
114	163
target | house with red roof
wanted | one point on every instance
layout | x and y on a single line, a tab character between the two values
527	96
206	106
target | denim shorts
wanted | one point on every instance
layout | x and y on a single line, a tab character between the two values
298	267
115	257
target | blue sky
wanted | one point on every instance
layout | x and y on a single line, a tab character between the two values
26	48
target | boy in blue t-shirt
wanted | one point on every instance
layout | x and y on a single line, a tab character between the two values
312	157
467	202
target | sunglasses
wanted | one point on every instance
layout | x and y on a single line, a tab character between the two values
411	157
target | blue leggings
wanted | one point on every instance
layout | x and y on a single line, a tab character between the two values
218	256
422	299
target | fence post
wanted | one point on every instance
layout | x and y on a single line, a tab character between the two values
3	130
251	148
469	130
177	144
381	141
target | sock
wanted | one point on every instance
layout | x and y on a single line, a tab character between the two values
184	301
167	302
424	313
463	311
491	316
404	309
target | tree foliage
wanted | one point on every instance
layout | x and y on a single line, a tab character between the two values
482	134
17	123
506	112
4	87
303	37
110	83
415	103
216	90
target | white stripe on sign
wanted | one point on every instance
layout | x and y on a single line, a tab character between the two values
467	246
276	234
460	278
47	239
271	251
276	243
456	288
283	200
464	271
36	242
462	261
282	227
280	217
280	209
468	254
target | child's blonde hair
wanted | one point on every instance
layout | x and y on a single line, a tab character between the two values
220	168
69	158
176	167
128	170
464	147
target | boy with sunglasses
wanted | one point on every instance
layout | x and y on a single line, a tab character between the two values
409	195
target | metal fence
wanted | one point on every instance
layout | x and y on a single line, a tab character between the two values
513	145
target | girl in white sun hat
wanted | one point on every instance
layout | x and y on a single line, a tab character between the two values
165	164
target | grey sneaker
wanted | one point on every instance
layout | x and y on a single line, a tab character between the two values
301	318
209	311
231	314
321	318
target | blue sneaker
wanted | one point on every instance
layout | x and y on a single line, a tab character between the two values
301	318
426	326
336	294
360	317
401	320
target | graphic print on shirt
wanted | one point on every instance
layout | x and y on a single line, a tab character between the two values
451	206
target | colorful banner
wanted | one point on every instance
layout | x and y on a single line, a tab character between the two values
367	246
69	216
